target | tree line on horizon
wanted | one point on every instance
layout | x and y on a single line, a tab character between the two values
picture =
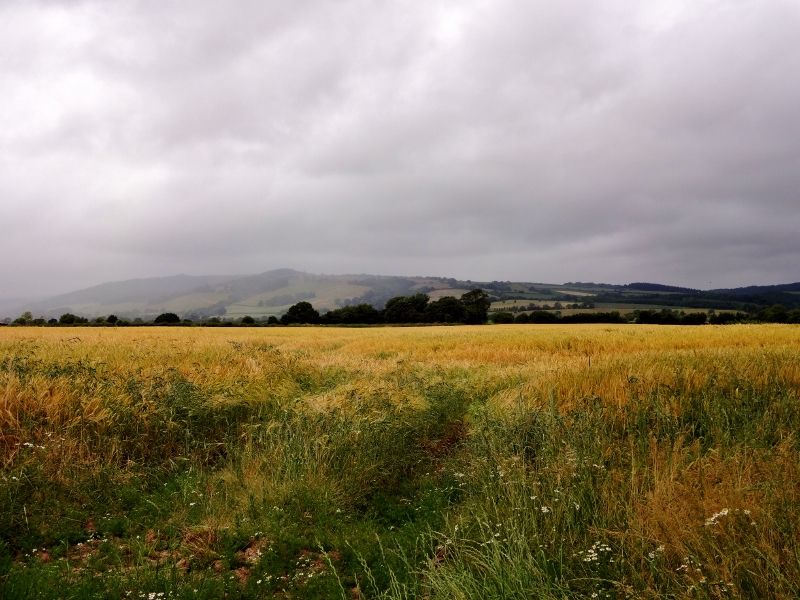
472	308
651	317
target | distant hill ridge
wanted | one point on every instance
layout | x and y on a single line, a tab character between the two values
658	287
273	292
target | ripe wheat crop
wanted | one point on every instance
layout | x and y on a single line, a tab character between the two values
532	461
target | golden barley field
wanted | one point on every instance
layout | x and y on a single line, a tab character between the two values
519	461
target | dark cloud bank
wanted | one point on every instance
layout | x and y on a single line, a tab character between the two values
541	141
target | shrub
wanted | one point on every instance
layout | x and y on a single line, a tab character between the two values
167	318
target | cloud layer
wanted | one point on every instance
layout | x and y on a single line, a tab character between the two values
487	140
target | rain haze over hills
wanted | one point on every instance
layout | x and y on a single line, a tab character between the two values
568	141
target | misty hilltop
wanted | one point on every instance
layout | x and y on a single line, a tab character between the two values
273	292
260	295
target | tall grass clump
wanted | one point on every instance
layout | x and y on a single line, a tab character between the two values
678	493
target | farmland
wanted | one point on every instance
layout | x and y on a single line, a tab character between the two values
525	461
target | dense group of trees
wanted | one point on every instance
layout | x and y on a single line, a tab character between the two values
777	313
471	308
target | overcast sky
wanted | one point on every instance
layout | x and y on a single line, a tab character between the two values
553	141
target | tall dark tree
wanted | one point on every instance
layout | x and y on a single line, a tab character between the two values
24	318
406	309
167	318
302	312
476	306
445	310
777	313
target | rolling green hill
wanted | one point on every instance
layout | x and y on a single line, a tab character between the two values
273	292
261	295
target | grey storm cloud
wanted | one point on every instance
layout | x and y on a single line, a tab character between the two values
541	141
